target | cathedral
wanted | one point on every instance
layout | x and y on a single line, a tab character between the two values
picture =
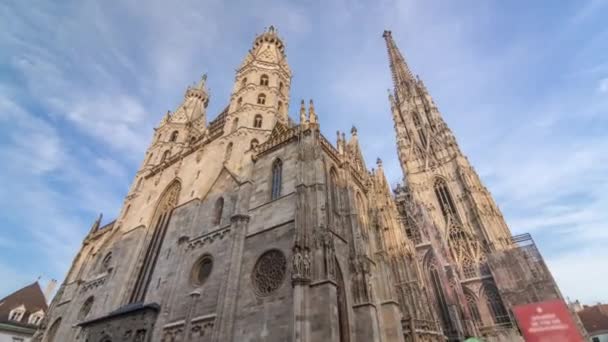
254	226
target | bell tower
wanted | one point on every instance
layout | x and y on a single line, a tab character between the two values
260	96
439	174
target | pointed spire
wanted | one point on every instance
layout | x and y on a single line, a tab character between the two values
311	112
202	83
402	76
95	226
302	112
353	131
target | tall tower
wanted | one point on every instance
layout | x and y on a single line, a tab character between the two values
439	174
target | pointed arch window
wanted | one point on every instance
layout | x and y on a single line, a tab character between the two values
235	124
244	82
85	309
362	213
280	87
106	262
440	297
239	102
219	208
257	121
469	269
174	136
228	152
280	106
419	129
444	198
473	308
150	158
495	306
262	99
165	156
333	188
277	175
264	80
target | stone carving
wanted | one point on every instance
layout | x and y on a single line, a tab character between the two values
301	265
173	333
269	272
201	329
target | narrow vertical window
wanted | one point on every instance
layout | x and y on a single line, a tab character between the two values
277	174
472	304
228	152
254	144
244	82
280	106
257	121
174	136
362	213
419	129
165	156
444	198
264	80
219	207
333	188
280	87
235	124
261	99
239	102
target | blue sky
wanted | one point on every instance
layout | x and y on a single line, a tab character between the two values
523	85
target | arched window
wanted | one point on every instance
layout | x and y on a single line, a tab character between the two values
261	99
150	157
362	213
333	188
280	86
244	82
277	174
444	198
235	124
280	106
495	306
228	152
254	144
192	140
419	129
165	156
50	335
264	80
106	262
219	207
469	269
440	297
239	102
174	136
472	304
257	121
85	309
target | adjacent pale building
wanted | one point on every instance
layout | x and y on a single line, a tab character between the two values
255	227
22	312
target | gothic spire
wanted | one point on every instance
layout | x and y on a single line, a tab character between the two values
403	78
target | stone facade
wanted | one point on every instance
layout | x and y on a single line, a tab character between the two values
253	227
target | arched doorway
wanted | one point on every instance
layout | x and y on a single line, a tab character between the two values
342	306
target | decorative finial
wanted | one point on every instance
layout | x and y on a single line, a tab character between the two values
353	130
202	82
386	33
271	28
311	112
379	162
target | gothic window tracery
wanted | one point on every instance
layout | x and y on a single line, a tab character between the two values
174	136
277	174
85	309
264	80
262	99
106	262
472	304
257	121
469	268
444	198
219	207
495	306
269	272
437	287
202	269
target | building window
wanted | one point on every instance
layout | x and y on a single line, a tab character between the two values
17	313
280	86
228	152
280	106
235	124
269	272
277	174
85	309
362	213
239	102
165	156
469	269
53	330
254	144
107	262
264	80
219	207
437	287
261	99
257	121
333	188
202	270
174	136
496	307
244	82
444	198
472	304
419	129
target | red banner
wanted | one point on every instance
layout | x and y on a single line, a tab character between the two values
548	321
